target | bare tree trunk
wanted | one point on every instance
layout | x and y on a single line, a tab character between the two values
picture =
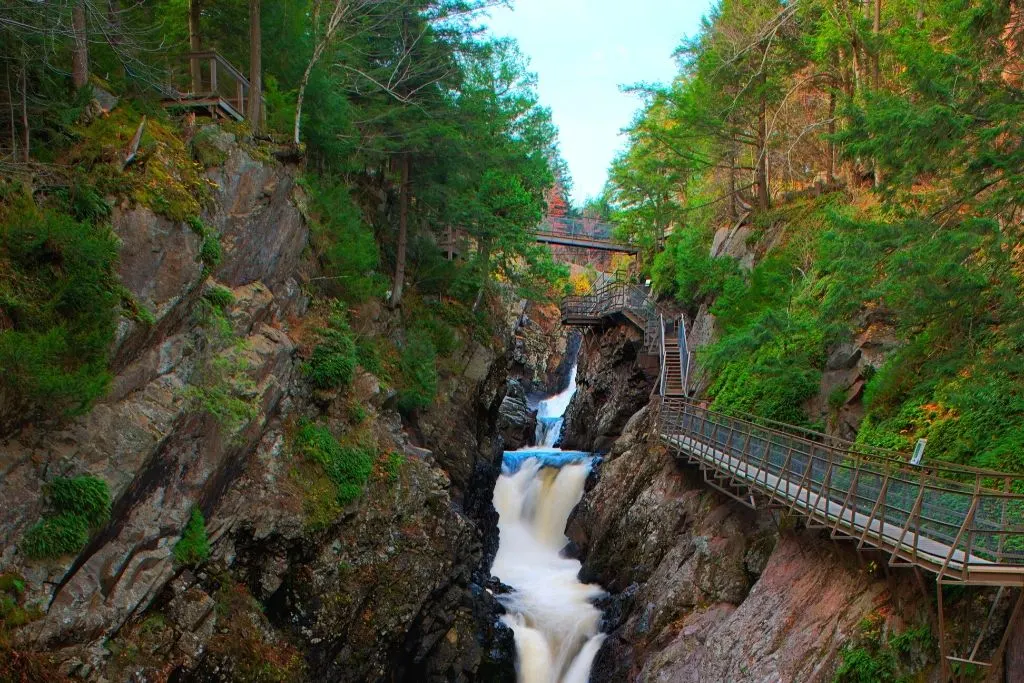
763	196
876	29
403	233
195	43
25	137
485	263
733	212
255	66
10	107
80	48
830	166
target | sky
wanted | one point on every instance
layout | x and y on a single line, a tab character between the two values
582	52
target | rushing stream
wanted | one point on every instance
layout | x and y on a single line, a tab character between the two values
551	613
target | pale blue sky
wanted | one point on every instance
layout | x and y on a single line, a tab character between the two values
582	51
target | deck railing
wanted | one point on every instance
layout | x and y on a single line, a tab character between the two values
960	522
207	79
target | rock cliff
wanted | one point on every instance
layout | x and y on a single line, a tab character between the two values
384	591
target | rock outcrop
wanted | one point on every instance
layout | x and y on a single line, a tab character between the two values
612	385
385	591
704	589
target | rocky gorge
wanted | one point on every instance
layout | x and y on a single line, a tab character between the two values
395	585
389	587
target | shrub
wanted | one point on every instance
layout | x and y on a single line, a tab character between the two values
86	497
210	250
348	467
63	534
59	300
419	373
333	361
193	548
219	297
221	386
78	506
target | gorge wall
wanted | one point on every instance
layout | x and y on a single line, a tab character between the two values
390	587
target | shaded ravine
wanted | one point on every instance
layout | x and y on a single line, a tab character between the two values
551	613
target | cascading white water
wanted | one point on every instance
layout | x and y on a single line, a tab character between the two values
551	411
555	623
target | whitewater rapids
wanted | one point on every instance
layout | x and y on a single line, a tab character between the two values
551	613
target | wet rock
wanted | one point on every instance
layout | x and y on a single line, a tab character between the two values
612	386
516	422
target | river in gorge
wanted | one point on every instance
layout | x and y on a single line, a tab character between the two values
551	613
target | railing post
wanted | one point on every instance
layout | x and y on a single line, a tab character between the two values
914	511
213	75
871	517
850	492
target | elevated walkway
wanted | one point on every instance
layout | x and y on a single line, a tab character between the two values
962	524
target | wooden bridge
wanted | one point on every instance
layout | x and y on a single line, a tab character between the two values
962	524
587	233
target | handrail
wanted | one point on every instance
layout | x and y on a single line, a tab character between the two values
968	530
661	359
852	449
684	356
217	57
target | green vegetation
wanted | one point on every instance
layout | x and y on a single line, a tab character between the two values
193	548
221	385
78	506
59	301
880	658
333	361
869	174
347	466
393	466
419	372
210	250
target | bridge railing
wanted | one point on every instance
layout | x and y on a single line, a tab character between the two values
951	519
614	297
576	227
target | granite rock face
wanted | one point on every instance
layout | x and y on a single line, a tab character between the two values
385	591
612	385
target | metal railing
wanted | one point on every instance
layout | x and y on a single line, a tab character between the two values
962	523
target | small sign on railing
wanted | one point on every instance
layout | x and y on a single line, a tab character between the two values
915	459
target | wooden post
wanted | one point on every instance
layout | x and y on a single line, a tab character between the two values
195	44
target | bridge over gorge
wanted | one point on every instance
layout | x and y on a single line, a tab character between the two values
586	233
963	525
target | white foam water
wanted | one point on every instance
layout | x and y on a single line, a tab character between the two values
551	613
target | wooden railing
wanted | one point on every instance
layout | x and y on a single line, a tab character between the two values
206	79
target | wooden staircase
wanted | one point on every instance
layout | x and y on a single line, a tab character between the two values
673	368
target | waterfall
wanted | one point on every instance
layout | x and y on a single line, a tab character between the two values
551	613
550	413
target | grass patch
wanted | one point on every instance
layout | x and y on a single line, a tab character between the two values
193	548
78	506
164	177
59	302
347	466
